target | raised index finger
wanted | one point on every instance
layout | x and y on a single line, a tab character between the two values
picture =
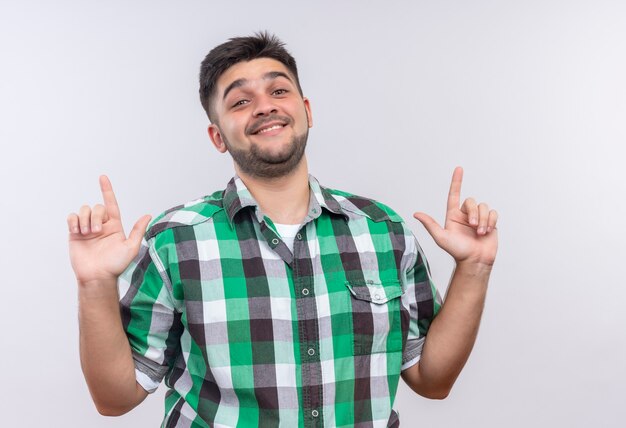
454	196
108	197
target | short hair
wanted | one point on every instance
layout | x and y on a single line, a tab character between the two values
235	50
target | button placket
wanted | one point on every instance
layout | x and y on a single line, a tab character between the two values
306	306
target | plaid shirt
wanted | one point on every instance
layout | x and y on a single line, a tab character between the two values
247	333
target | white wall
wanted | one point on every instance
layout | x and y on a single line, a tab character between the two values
530	97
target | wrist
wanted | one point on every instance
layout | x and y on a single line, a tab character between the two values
98	288
473	268
471	280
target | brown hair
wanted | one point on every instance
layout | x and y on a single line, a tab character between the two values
235	50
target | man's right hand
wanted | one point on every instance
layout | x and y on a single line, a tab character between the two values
100	252
99	249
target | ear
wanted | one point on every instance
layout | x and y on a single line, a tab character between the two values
309	115
216	138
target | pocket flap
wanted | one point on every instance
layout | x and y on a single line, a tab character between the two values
375	291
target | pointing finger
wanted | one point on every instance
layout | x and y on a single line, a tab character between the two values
109	197
454	196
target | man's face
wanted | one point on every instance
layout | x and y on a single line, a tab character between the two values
262	120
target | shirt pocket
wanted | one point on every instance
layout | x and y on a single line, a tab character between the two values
376	315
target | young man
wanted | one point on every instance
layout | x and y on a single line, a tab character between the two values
274	302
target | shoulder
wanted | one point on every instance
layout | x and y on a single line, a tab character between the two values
362	206
188	214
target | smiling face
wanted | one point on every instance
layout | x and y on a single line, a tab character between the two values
262	120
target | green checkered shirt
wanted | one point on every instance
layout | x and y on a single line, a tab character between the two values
248	333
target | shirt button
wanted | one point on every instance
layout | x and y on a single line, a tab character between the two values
370	281
305	291
315	413
311	351
299	236
275	241
377	297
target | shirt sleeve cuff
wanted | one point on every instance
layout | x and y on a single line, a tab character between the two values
145	382
147	376
410	362
412	352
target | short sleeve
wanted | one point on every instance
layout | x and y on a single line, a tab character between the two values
423	301
149	316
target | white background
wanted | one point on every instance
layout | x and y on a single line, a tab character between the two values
530	97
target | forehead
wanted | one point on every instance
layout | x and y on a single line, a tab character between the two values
250	71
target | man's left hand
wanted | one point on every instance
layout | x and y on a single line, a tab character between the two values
469	233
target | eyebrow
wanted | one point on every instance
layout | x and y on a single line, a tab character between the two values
267	76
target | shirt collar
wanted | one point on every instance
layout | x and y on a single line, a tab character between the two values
237	196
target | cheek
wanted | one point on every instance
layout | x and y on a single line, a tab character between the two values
305	120
234	129
305	117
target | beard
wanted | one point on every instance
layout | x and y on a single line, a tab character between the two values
265	164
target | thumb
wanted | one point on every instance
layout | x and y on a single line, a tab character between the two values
139	229
432	227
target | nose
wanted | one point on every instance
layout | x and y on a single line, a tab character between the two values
264	106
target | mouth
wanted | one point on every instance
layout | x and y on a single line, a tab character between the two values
267	129
270	127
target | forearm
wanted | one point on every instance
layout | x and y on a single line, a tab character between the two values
452	333
105	353
470	236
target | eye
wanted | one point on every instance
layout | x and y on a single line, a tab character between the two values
239	103
279	92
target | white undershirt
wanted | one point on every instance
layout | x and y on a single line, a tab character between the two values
288	233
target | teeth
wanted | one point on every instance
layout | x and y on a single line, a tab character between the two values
270	128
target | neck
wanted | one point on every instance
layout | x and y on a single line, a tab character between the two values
284	199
